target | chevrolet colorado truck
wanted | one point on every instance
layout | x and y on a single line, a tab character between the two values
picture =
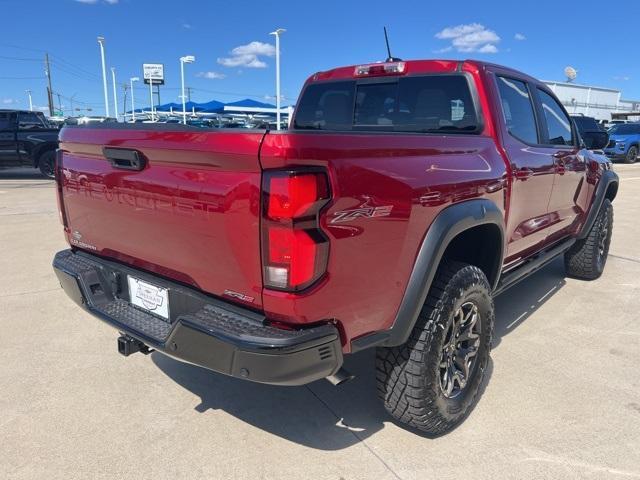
27	138
405	196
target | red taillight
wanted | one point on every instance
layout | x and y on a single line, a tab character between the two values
295	250
292	196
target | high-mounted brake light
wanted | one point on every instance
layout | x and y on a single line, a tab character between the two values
378	69
295	251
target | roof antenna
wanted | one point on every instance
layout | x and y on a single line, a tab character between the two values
389	57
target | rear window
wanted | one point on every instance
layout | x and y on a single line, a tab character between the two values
429	104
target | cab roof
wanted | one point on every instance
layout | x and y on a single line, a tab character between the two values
418	67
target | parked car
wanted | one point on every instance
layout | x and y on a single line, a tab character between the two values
404	198
624	142
26	138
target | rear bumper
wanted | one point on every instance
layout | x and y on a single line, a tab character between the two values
202	330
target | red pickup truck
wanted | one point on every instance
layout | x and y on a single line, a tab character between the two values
404	197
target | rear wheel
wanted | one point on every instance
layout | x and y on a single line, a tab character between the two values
632	155
431	382
46	163
587	257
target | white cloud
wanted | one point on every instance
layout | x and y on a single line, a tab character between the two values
9	101
488	48
622	77
211	75
187	26
472	37
519	36
248	55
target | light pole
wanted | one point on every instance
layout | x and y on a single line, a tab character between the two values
151	97
115	94
30	101
133	105
277	34
104	76
183	60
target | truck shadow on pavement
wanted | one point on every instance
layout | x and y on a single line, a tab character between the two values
325	417
518	303
22	174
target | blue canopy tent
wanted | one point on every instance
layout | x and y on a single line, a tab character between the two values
247	102
166	107
212	106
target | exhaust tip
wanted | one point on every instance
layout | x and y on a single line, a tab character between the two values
340	377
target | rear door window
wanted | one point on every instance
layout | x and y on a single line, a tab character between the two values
517	110
427	104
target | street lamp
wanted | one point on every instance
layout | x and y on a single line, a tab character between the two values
115	93
277	34
30	101
183	60
133	106
104	76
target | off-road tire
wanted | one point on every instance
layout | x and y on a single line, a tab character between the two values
632	155
587	257
409	376
46	163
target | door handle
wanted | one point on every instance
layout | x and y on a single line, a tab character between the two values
524	173
124	158
559	158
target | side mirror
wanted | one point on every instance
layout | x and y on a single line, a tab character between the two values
595	140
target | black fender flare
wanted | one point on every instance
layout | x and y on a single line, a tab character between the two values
608	180
449	223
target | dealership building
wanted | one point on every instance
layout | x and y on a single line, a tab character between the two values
598	102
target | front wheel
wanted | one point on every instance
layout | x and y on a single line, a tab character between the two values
587	257
632	155
46	163
432	381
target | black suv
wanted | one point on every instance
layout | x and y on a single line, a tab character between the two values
26	138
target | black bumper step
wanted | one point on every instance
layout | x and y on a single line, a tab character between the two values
201	329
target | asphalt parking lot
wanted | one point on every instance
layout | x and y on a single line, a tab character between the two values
562	400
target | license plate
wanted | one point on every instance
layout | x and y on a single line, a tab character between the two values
149	297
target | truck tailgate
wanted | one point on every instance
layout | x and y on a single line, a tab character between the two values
191	214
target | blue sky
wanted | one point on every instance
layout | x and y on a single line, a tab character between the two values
234	51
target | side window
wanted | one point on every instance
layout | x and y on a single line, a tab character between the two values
517	109
558	124
29	121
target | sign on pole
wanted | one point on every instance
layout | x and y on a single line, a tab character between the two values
153	73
